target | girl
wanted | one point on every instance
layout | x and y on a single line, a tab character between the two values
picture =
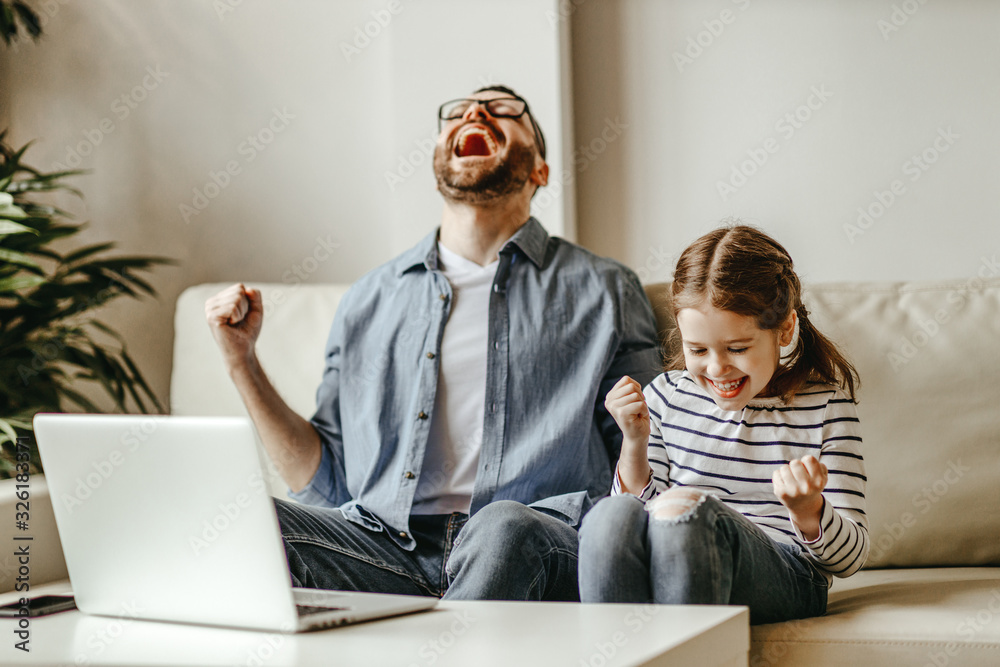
740	479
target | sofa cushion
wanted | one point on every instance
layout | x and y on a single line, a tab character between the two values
932	616
291	346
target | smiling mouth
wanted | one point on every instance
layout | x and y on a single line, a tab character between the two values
728	389
476	141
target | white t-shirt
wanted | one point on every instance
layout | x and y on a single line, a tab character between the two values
452	456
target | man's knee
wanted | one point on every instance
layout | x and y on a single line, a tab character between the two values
513	532
499	523
675	504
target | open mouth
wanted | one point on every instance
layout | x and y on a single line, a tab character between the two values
475	141
729	389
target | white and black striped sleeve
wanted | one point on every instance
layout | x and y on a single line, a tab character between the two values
842	546
656	452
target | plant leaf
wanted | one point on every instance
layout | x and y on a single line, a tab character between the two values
78	398
8	227
87	251
7	27
15	283
29	18
8	430
14	257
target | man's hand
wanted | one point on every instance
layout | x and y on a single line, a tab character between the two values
799	486
235	316
627	405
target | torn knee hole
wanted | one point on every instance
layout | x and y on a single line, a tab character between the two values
674	506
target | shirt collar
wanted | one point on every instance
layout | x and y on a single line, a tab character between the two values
424	254
531	239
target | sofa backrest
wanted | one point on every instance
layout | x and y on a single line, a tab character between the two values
928	355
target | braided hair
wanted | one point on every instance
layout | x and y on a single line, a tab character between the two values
741	269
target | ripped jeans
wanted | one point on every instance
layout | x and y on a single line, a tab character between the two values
690	548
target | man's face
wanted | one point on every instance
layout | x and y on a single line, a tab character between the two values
479	158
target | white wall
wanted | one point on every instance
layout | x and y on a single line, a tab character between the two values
651	139
264	141
888	94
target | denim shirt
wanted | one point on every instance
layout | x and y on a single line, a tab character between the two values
564	326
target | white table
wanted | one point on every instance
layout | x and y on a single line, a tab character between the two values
480	634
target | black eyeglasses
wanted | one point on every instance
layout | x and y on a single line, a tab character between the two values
498	107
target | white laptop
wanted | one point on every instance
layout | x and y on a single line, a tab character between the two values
169	518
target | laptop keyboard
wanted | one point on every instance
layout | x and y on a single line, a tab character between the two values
307	610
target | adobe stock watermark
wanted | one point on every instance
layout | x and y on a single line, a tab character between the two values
583	157
606	649
563	11
772	651
370	30
408	162
929	327
374	367
914	167
224	7
703	40
432	649
922	503
423	151
786	127
104	468
968	628
121	107
248	150
899	17
227	514
658	266
267	649
433	481
100	640
299	272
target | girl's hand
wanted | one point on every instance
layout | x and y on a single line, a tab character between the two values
799	486
627	405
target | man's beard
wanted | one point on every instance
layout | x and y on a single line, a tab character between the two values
483	184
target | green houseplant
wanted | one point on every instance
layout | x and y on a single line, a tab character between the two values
50	338
50	335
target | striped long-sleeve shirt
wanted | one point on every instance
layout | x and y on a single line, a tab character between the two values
733	455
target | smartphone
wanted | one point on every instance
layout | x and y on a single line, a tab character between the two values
40	606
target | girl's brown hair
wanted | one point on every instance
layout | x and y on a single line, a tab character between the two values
743	270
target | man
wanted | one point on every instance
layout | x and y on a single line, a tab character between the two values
460	432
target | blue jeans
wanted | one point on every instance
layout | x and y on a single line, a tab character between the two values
506	551
709	554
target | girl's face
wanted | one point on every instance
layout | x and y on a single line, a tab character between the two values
728	355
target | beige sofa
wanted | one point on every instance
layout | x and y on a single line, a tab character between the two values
929	357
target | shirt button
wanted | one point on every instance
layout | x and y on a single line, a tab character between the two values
496	345
430	355
422	415
403	535
408	475
443	297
